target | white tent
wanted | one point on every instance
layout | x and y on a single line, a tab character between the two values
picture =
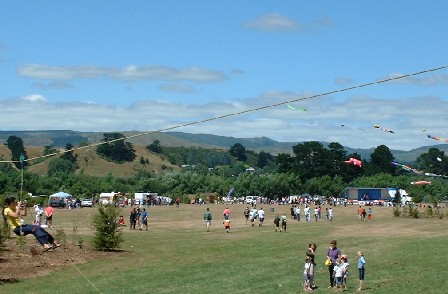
61	195
58	199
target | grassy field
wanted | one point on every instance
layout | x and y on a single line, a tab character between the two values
177	255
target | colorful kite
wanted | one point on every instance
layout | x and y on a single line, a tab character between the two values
297	108
407	168
437	138
415	171
383	129
354	161
421	183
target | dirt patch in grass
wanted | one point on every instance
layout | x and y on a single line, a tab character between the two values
19	262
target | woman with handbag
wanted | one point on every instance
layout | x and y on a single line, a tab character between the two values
333	254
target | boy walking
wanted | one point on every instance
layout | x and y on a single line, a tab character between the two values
227	225
208	219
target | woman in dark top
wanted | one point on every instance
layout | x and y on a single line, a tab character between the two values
310	252
334	254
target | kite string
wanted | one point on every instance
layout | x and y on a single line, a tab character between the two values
93	285
246	111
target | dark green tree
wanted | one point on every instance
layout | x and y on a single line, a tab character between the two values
60	166
49	150
311	160
284	163
15	144
115	149
107	236
238	151
68	154
380	161
434	161
155	147
264	159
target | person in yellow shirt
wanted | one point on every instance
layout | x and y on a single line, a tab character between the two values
12	214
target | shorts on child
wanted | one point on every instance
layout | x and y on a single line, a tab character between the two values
339	281
361	274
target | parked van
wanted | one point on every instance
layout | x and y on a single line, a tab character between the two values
251	199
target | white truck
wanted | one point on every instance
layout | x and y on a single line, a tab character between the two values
404	196
366	195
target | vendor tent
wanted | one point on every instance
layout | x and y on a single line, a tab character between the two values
58	199
61	195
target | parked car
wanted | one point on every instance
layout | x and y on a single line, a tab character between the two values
86	203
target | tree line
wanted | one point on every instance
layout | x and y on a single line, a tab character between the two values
311	168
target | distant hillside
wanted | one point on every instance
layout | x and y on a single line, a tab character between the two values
59	139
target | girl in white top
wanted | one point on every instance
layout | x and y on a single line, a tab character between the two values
307	275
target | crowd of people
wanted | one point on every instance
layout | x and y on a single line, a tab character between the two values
337	263
138	218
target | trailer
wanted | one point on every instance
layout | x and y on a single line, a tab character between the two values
368	195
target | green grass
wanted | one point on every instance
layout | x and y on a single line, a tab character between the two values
177	255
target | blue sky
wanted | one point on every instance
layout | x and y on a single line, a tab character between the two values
149	65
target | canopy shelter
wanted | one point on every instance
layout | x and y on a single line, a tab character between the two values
61	195
58	199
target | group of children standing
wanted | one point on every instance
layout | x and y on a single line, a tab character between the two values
338	268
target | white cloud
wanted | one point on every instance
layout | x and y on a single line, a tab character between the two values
275	22
128	73
322	122
34	98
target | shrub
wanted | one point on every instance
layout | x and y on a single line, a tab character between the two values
429	212
61	237
396	211
107	236
413	211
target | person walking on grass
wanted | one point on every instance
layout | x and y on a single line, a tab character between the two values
132	218
369	214
277	223
260	216
208	219
226	213
227	225
144	220
246	213
284	220
330	214
361	269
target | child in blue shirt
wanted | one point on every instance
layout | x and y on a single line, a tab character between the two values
361	263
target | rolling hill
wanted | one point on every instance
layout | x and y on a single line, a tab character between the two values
90	163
